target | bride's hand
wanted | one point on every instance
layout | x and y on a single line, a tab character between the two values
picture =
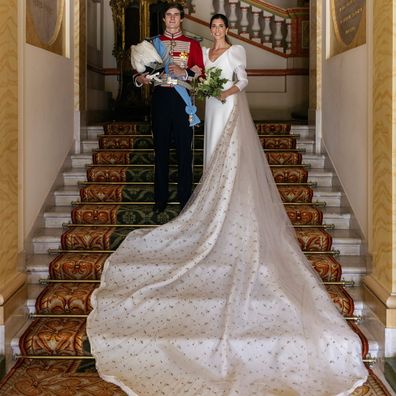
222	97
197	70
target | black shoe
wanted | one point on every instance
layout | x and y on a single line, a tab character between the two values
159	207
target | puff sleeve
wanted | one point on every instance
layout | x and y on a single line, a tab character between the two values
238	63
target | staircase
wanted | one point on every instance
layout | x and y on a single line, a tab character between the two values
108	192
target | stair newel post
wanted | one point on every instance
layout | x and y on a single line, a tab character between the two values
233	18
244	23
267	32
278	36
256	24
288	39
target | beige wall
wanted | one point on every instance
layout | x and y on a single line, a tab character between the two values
47	135
345	122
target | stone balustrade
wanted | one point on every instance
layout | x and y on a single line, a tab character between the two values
283	31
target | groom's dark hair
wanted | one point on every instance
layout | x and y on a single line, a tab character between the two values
170	5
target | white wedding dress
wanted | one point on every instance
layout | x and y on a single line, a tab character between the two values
221	301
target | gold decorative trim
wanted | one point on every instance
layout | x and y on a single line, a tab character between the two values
338	43
11	285
380	301
56	43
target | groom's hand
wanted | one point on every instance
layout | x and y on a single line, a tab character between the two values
142	79
177	70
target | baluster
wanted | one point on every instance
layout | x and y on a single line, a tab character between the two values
233	18
244	23
212	8
256	24
267	33
288	36
278	36
188	7
221	9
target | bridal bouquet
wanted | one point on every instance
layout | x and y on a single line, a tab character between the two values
210	85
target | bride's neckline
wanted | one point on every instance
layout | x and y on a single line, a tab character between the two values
214	60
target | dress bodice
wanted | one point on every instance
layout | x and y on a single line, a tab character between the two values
232	62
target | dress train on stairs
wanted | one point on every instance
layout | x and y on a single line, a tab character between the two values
221	300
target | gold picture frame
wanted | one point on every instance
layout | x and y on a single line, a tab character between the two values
46	25
347	25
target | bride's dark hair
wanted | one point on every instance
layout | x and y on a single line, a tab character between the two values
225	20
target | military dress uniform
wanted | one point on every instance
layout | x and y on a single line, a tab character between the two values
170	122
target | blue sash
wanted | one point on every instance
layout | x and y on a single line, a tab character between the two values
190	109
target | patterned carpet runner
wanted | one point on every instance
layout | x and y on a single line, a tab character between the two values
117	198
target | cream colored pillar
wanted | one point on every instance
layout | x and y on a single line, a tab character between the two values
315	69
381	283
12	290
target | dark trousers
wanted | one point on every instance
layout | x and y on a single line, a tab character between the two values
170	124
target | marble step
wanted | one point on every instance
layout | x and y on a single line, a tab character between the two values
91	132
64	196
33	292
331	195
347	242
306	144
354	268
47	238
37	267
81	160
373	344
355	292
357	295
322	177
56	216
375	349
339	216
72	176
305	131
315	160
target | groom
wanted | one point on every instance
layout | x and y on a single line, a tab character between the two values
172	116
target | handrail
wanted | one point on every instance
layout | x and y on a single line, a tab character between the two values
282	12
276	72
282	31
239	37
108	71
250	72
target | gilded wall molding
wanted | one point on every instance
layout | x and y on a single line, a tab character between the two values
9	151
382	238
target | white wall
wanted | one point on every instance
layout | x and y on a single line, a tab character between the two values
47	124
345	123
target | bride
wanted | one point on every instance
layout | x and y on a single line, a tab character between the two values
221	300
